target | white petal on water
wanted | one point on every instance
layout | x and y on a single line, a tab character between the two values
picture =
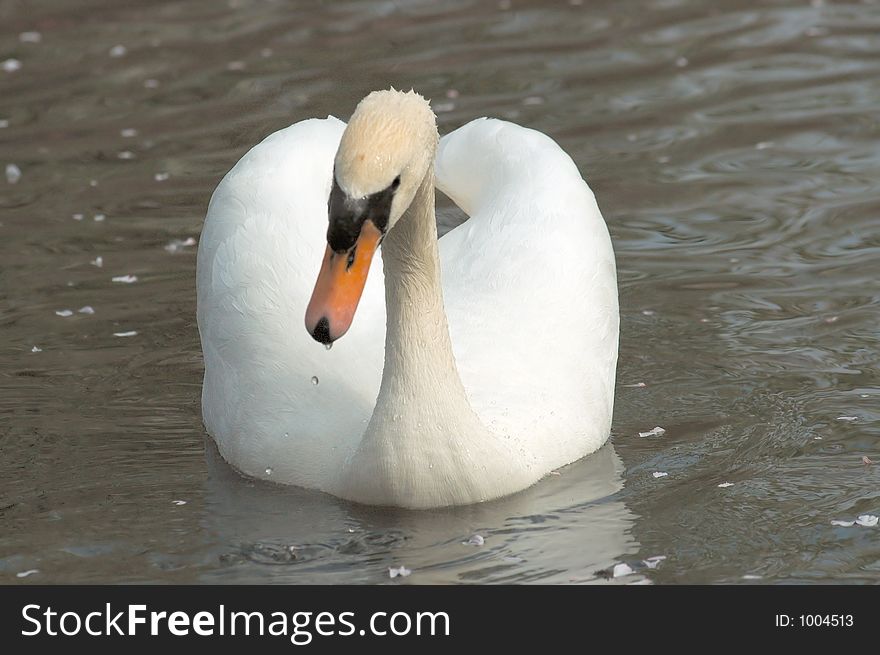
637	385
128	132
179	244
475	540
621	570
98	261
236	66
30	37
654	562
751	576
441	107
24	574
126	279
847	418
648	312
118	51
401	571
724	485
3	123
151	84
659	474
78	217
36	349
161	177
125	154
533	100
763	145
867	461
178	502
681	62
843	524
64	313
868	520
11	65
87	309
653	432
452	94
130	333
13	173
99	218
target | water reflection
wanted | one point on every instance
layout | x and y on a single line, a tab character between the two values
564	529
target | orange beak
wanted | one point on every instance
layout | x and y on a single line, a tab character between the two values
340	285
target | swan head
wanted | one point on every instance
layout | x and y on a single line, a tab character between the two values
385	153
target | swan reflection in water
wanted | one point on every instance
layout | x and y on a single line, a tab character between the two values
564	529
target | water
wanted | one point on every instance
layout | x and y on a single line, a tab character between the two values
734	150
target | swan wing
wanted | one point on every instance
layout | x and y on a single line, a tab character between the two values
530	290
280	405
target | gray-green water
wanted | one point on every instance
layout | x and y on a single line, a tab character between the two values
734	148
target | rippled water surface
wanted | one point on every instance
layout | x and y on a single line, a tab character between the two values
734	148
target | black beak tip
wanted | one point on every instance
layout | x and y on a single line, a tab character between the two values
322	331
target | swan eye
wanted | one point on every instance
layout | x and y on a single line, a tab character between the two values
395	183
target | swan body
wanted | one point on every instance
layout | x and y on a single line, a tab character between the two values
474	365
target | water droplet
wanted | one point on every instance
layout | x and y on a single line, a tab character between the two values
328	346
268	470
396	417
430	466
315	380
287	435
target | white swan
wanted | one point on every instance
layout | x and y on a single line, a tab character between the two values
514	379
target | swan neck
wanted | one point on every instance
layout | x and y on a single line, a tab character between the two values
417	342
